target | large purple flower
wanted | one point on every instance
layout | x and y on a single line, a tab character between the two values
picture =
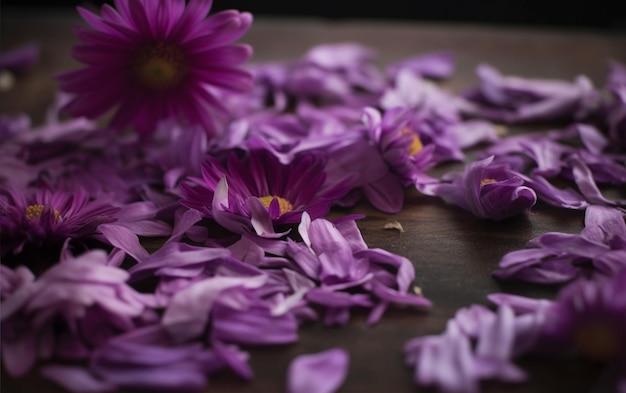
486	189
257	191
156	60
50	217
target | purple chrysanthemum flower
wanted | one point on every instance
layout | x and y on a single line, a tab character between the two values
156	60
587	316
49	217
407	142
590	316
258	191
486	189
73	307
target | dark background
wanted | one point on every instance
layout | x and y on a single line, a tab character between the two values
602	14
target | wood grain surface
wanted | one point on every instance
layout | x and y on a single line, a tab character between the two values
453	252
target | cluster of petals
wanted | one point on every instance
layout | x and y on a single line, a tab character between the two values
554	258
64	314
234	188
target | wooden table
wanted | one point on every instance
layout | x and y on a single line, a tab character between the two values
452	251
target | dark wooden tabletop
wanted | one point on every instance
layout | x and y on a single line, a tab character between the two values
453	252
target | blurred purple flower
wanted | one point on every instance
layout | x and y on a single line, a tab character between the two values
50	217
514	99
322	372
559	257
154	61
587	316
258	191
486	189
72	308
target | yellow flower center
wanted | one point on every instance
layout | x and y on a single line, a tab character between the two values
160	66
33	212
416	143
597	340
284	205
484	182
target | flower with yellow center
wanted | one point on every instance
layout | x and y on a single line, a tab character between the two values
416	143
149	61
597	340
484	182
160	66
284	205
33	212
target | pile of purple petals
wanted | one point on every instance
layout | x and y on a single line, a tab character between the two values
167	137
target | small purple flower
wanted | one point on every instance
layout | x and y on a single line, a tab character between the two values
72	308
407	150
258	191
513	99
486	189
559	257
50	217
322	372
154	61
